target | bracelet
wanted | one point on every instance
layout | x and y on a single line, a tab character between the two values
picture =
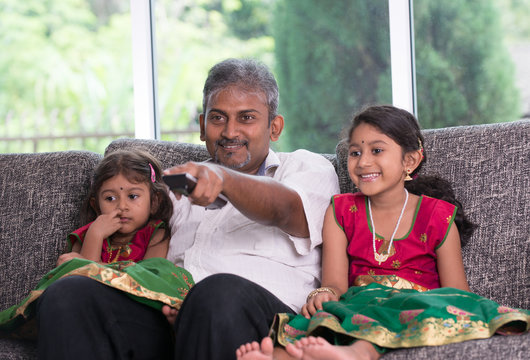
320	290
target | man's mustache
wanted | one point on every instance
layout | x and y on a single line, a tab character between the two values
228	142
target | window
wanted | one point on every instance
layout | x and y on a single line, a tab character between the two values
65	74
68	68
471	61
326	64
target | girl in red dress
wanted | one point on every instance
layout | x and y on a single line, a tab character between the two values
127	211
392	270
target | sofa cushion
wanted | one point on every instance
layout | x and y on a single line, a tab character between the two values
41	197
489	168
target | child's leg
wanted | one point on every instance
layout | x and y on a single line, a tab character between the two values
315	348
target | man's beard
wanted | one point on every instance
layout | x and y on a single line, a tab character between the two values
229	155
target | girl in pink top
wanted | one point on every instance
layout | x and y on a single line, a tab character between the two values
127	211
392	271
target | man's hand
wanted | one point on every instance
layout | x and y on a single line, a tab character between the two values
67	257
259	198
209	181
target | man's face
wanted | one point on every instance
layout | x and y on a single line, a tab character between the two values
236	129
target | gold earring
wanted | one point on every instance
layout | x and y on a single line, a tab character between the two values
408	178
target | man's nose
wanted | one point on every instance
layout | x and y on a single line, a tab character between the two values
230	130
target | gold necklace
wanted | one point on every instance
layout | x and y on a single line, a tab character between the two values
110	250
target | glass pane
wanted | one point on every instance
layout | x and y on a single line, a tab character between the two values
65	74
471	61
327	64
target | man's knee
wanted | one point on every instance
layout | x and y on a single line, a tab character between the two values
67	292
222	288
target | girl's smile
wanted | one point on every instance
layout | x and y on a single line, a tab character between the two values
369	177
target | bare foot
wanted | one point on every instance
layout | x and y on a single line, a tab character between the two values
317	348
253	350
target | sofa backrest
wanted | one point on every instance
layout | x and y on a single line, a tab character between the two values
489	167
40	200
168	153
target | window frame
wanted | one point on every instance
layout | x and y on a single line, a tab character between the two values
146	118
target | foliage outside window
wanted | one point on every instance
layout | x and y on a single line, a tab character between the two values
65	66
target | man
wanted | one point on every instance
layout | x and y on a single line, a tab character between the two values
255	257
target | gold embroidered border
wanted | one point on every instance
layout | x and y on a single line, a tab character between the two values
115	279
124	282
428	332
391	281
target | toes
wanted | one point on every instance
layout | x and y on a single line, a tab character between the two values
267	347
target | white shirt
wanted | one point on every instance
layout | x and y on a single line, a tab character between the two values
207	242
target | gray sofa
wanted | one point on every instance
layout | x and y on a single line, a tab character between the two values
489	165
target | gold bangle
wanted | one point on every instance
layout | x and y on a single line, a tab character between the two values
320	290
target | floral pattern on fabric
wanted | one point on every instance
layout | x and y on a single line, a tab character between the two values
153	282
393	318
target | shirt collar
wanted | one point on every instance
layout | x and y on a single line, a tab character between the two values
269	165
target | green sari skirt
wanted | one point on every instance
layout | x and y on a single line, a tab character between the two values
153	282
394	318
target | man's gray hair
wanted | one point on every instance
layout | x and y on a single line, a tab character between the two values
250	74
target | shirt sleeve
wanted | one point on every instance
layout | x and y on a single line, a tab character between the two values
314	178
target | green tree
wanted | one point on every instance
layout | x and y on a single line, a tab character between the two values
333	58
330	58
464	72
63	71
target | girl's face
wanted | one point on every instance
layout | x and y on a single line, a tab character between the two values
133	200
375	163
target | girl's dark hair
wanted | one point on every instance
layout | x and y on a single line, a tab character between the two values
133	165
402	127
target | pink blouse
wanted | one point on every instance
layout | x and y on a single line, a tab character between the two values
134	250
412	258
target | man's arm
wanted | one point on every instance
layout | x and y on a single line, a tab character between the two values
260	198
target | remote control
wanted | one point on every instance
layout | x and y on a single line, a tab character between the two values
185	183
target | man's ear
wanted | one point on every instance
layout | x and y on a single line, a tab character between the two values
276	127
412	160
203	127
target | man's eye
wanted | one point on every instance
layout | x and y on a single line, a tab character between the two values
216	118
247	117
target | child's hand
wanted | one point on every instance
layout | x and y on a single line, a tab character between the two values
315	303
106	224
67	257
170	314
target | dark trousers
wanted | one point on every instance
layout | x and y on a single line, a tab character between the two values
221	313
80	318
